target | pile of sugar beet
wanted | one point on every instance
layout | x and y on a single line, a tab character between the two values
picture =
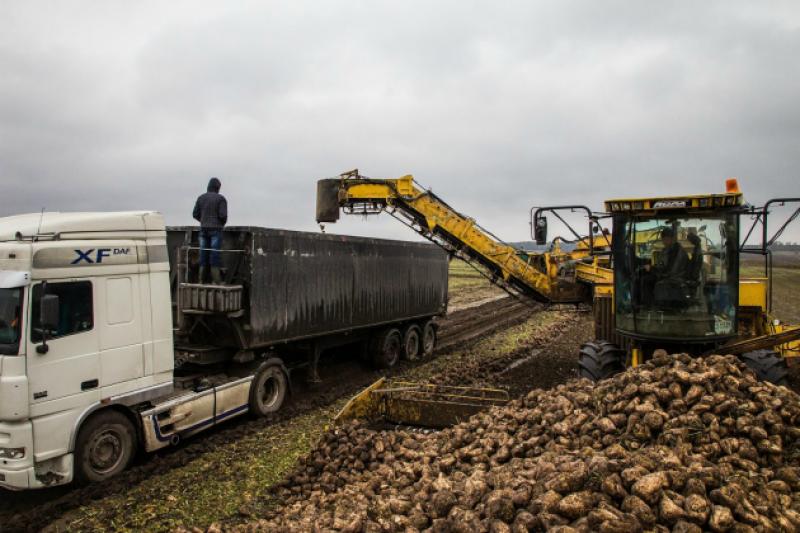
676	444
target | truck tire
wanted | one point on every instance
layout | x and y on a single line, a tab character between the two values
600	360
767	366
105	446
412	343
387	345
428	343
268	390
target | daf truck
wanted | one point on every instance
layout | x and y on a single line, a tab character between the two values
111	346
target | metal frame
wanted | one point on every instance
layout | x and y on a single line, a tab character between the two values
761	215
594	221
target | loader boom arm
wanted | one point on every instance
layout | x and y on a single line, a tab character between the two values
535	276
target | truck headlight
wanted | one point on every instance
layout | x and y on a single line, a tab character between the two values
12	453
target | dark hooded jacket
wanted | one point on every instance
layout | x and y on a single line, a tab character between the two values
211	208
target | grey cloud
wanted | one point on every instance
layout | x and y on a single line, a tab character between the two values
117	105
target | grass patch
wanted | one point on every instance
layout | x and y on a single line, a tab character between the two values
467	285
214	487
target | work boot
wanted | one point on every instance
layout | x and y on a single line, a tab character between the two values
216	276
201	278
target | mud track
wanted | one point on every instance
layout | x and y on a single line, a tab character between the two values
341	377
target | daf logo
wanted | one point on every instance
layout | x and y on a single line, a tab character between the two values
669	204
93	256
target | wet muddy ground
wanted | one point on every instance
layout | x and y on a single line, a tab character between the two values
213	476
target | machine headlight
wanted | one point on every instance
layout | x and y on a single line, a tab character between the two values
12	453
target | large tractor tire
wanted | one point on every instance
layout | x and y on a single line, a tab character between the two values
600	360
268	389
412	343
768	366
105	447
386	347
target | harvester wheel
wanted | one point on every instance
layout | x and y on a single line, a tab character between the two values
268	390
767	365
600	360
428	343
386	347
412	341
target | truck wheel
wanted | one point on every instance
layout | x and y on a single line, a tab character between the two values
767	366
428	339
412	343
105	446
268	390
600	360
387	346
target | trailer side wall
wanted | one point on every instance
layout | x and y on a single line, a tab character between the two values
301	285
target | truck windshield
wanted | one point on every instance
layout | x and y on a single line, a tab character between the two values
677	277
10	312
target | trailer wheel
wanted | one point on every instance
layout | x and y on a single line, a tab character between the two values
268	390
412	343
105	446
387	345
767	366
428	339
600	360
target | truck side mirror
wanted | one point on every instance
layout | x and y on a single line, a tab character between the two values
540	230
49	311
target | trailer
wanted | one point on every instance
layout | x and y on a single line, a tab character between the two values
294	291
110	344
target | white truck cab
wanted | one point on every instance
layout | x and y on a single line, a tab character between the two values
85	324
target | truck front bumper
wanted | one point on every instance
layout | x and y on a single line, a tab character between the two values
22	473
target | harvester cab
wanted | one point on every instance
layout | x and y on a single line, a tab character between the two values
676	268
676	286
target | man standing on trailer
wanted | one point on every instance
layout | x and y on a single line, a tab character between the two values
211	210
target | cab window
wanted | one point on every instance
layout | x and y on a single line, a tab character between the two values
10	305
677	276
76	312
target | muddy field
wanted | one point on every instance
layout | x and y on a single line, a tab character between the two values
479	339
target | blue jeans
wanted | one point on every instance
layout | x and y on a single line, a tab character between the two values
210	243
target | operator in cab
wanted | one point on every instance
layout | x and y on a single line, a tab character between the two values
668	276
211	210
673	259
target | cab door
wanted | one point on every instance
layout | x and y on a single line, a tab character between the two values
70	364
120	328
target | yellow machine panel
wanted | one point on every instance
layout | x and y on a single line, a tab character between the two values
753	292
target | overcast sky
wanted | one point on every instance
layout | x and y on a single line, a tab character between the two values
497	106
